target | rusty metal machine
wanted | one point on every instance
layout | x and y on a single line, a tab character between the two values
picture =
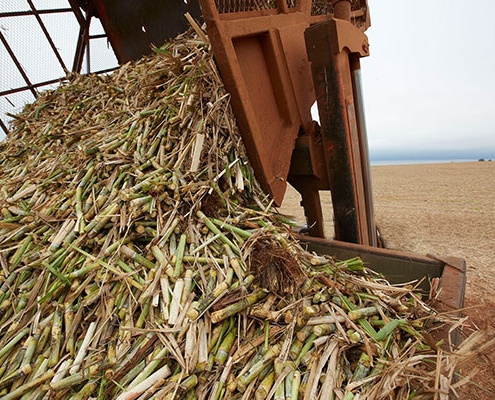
277	58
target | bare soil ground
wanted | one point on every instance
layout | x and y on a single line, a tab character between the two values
445	209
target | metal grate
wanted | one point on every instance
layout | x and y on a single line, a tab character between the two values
321	7
233	6
325	7
292	3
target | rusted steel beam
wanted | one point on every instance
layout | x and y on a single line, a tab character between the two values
12	55
342	9
46	83
47	35
82	37
40	12
313	212
449	294
332	47
75	8
364	151
4	127
30	87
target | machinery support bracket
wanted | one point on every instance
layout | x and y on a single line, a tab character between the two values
336	80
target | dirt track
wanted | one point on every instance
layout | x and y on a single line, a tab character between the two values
441	209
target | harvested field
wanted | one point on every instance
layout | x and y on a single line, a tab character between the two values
446	209
442	209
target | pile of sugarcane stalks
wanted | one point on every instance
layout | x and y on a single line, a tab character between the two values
140	259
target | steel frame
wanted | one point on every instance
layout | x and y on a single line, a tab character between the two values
276	59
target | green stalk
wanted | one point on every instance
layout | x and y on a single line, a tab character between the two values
367	327
307	345
65	233
144	313
159	256
217	335
72	380
244	380
205	244
101	219
236	264
13	376
264	387
169	232
79	211
86	391
200	306
133	255
180	254
362	368
352	264
29	385
324	329
10	345
127	269
202	260
56	337
280	390
55	272
234	229
348	396
212	227
107	266
362	313
81	272
295	348
17	257
296	382
387	330
101	389
68	320
239	306
31	343
225	347
150	367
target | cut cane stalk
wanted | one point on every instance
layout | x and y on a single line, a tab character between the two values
241	305
83	349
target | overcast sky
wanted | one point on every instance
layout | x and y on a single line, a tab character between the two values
429	83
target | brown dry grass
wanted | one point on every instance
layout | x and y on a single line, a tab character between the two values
441	209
